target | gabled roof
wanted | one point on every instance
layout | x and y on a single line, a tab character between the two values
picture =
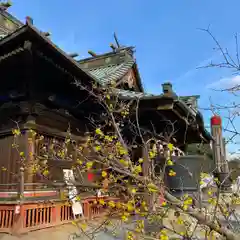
186	100
14	41
112	66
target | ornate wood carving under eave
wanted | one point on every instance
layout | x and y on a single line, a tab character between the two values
30	108
167	106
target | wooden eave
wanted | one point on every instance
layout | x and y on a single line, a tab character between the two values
43	44
137	74
187	117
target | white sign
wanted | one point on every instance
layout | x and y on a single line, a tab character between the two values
72	191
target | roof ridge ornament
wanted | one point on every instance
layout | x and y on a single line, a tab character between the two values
116	40
29	21
5	5
93	54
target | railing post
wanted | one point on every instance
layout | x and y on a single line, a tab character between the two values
86	209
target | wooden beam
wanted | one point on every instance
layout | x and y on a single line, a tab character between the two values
93	54
53	132
116	40
113	46
165	107
73	55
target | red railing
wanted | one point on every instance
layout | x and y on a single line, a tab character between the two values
38	216
6	217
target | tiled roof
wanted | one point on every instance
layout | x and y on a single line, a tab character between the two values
132	94
110	73
8	23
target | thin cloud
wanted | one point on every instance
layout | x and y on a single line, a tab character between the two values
225	83
191	72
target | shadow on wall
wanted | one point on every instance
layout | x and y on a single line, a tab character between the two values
188	169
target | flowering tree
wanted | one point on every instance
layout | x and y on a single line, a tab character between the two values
107	152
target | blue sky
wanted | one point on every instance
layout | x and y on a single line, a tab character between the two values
169	46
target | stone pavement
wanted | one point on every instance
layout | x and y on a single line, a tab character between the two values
66	232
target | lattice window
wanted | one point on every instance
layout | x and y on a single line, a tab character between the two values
54	148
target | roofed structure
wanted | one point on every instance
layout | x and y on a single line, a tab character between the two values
38	93
119	66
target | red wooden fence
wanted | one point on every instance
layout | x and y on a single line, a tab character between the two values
35	216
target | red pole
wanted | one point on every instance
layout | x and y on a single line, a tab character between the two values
219	153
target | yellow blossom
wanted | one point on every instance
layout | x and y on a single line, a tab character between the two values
99	131
130	207
83	226
164	237
74	223
169	162
77	198
179	221
16	132
97	148
133	191
185	207
79	162
124	218
62	195
152	154
111	204
164	204
104	174
170	146
118	205
124	162
89	165
137	169
21	154
152	187
45	172
172	173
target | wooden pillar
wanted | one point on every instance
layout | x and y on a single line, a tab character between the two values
30	155
19	212
219	153
147	167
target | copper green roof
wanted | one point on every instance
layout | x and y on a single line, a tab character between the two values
189	101
110	73
8	23
111	66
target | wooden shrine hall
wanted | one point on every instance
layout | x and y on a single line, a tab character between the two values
37	93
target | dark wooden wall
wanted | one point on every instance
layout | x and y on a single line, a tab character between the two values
9	162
